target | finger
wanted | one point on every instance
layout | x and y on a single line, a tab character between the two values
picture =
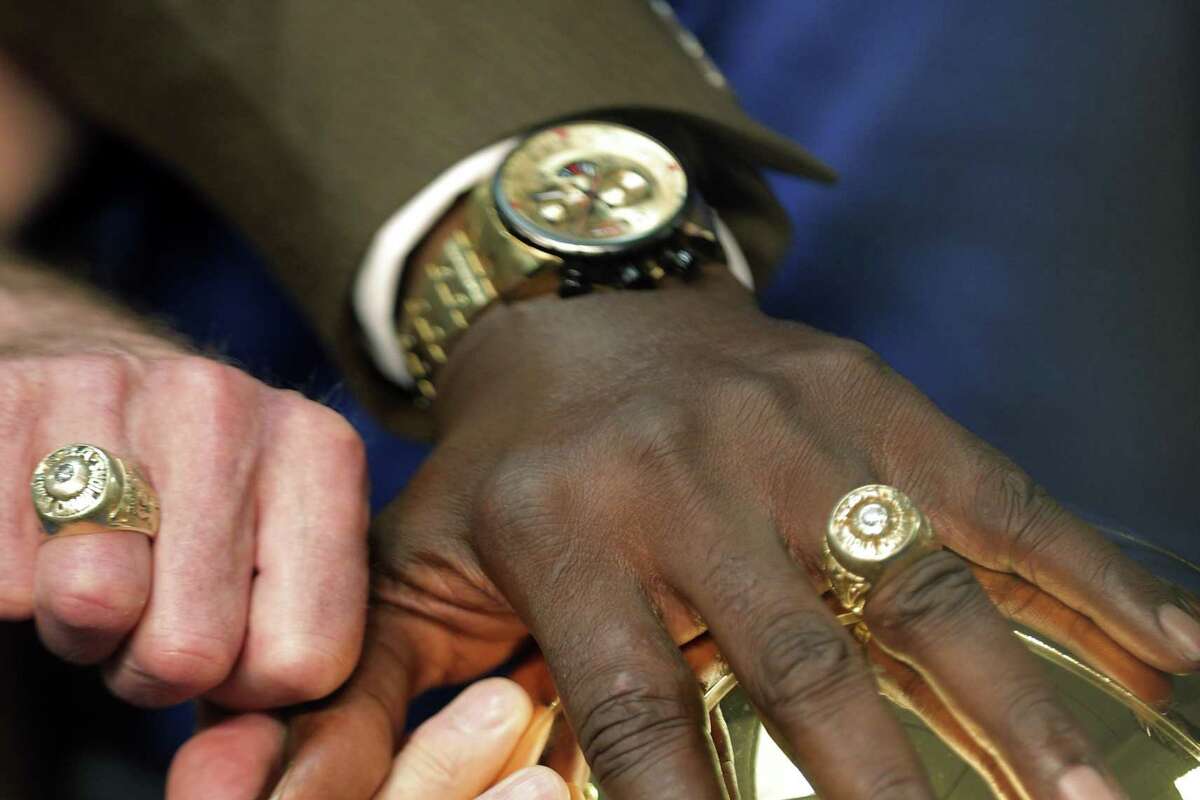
458	753
630	697
803	672
529	748
89	591
903	686
309	597
934	616
992	512
533	783
196	423
344	747
1024	603
233	759
19	532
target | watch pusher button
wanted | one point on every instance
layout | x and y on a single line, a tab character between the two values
632	276
573	281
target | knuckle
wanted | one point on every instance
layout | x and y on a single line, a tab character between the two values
729	575
805	666
897	782
300	669
99	368
322	430
652	436
215	391
1008	500
1041	721
171	669
523	495
1110	568
853	358
18	397
926	601
754	404
340	438
651	446
854	378
95	606
433	768
320	423
204	375
632	723
102	378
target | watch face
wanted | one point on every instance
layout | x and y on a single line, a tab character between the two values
590	188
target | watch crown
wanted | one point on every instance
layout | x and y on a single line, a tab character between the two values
683	262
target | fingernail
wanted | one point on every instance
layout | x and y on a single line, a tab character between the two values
1084	783
1183	629
486	705
535	783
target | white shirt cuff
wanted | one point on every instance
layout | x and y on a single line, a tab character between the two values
377	286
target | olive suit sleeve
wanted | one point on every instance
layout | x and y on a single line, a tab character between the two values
308	123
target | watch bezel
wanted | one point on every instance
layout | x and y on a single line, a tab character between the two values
566	246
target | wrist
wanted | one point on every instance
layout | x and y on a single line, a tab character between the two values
548	345
582	207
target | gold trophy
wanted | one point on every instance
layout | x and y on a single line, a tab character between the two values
1150	738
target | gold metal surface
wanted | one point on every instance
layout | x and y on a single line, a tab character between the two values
1153	753
872	528
1153	750
618	190
475	267
81	488
586	188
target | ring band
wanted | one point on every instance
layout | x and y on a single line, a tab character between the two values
81	489
872	529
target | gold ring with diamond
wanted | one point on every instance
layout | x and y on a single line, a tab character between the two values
873	529
81	489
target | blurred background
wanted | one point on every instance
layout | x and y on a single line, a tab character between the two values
1017	230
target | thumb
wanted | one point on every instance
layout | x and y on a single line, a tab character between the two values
234	759
344	746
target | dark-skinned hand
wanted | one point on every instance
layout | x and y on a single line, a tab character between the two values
618	472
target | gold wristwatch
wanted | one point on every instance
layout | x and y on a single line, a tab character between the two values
574	207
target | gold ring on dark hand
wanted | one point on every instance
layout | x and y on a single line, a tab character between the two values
872	529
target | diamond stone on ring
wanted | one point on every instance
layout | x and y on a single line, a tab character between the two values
81	488
872	529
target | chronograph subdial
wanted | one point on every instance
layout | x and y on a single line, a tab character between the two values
609	204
